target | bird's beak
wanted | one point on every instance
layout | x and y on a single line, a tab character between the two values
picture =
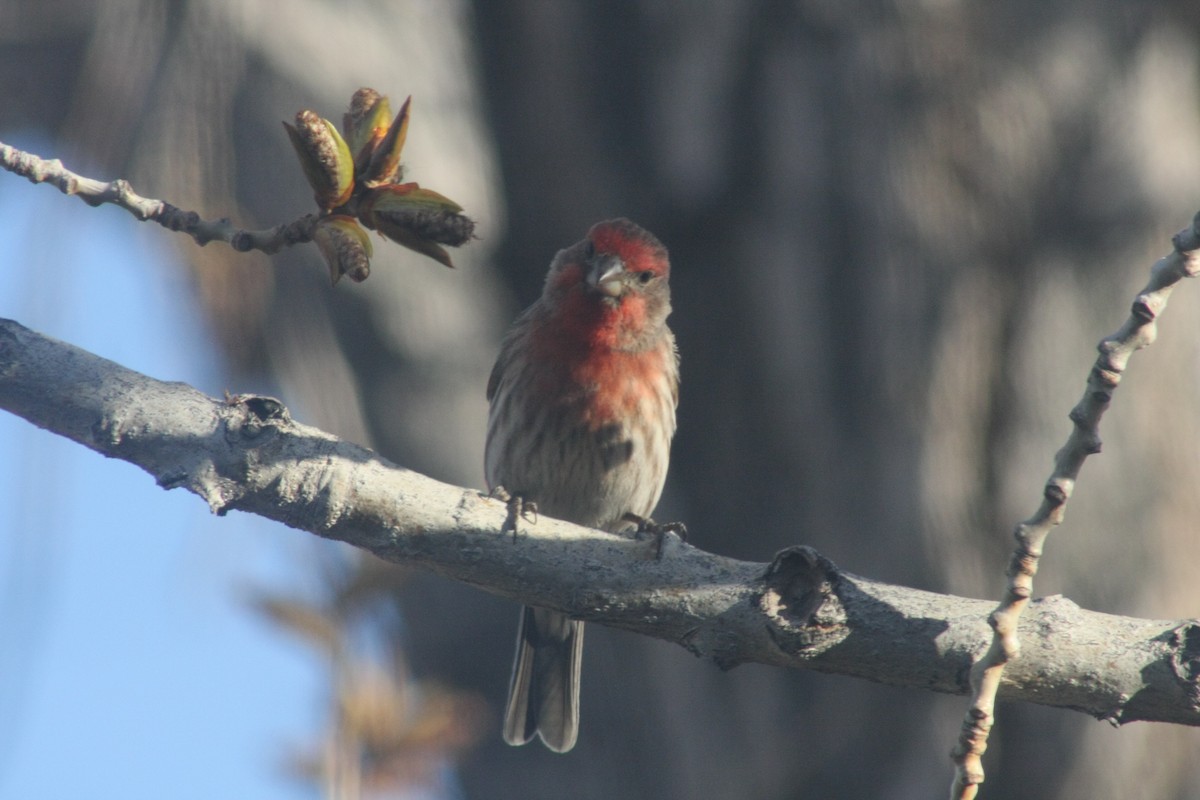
607	275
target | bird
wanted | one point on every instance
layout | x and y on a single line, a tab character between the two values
581	413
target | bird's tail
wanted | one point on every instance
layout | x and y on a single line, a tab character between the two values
543	697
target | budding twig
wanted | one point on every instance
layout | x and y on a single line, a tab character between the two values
350	187
121	194
1138	331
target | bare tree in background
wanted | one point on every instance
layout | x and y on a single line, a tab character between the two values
892	225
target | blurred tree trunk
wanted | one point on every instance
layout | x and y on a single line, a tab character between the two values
898	229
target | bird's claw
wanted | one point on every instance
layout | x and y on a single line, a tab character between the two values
518	508
659	530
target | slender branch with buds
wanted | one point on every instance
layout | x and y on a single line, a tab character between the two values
121	194
1138	331
355	184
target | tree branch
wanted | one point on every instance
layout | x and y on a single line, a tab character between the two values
1138	331
121	194
245	453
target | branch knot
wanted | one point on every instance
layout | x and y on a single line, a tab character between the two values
800	601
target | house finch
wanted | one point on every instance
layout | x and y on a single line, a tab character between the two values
581	414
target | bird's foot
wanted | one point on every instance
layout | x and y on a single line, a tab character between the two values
518	508
659	530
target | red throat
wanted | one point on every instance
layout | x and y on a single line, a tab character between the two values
590	321
585	344
588	337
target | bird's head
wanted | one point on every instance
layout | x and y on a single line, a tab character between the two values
614	281
622	258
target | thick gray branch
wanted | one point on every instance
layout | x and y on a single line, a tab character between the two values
245	453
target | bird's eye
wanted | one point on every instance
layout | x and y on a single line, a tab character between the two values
589	249
645	276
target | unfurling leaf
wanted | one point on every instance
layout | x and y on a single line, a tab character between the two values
418	244
422	211
365	124
345	246
419	219
385	161
408	197
325	157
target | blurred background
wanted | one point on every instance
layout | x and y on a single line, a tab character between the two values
898	230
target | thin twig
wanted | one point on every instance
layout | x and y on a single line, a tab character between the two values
121	194
1138	331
